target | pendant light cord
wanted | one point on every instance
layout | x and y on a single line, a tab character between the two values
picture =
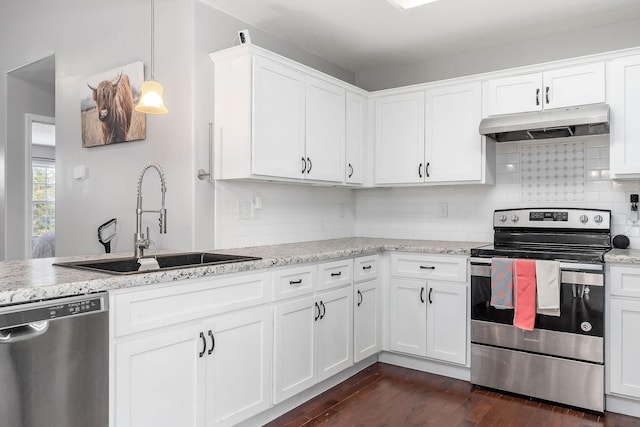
152	37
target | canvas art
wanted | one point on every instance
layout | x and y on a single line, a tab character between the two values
107	106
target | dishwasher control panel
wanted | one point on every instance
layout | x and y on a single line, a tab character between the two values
23	314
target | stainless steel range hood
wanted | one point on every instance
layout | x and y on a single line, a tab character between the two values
562	122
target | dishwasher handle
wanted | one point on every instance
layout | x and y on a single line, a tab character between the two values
23	333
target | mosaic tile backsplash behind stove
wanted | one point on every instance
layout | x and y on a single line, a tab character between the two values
552	172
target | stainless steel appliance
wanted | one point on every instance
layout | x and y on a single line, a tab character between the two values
562	358
54	363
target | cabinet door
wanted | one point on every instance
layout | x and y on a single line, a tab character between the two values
516	94
335	332
238	366
325	122
295	347
356	118
453	150
158	379
408	320
624	331
366	319
278	120
567	87
625	111
447	322
399	139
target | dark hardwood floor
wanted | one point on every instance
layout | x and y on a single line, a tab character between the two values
386	395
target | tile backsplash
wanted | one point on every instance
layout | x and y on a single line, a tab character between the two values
554	173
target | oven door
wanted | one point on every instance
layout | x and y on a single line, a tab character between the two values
577	333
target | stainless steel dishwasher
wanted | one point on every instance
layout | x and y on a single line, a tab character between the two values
54	363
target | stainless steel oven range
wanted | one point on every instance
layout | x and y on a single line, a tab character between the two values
562	358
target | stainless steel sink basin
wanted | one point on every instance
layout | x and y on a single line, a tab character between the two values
165	262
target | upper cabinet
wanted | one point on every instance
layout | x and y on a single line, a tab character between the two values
276	119
399	139
564	87
624	102
430	136
356	138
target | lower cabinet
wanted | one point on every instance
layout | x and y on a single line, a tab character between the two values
429	318
366	319
213	372
623	330
313	340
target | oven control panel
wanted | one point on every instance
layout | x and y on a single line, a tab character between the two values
570	218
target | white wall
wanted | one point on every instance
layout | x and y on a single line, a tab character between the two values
571	44
88	38
24	98
414	212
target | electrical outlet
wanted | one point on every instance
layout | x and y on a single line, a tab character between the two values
443	210
244	210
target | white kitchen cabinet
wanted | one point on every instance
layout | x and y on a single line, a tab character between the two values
428	306
441	146
215	373
313	340
399	139
454	148
276	119
197	353
624	100
159	380
367	307
238	366
559	88
324	130
356	138
447	322
623	330
408	316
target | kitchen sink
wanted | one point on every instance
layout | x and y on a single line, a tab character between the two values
165	262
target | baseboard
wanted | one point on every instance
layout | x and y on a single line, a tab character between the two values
622	405
300	398
426	365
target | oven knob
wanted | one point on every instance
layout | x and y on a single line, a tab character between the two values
597	219
515	218
584	219
502	218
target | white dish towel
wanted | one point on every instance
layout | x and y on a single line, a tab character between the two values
548	284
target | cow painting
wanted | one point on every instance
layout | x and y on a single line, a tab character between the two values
107	102
114	105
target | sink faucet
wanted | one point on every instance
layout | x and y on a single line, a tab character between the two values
140	240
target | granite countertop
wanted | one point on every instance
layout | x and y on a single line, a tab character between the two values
623	256
36	279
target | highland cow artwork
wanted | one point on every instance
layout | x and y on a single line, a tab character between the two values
107	107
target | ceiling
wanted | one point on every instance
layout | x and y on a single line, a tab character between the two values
360	34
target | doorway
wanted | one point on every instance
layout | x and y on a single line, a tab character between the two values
30	100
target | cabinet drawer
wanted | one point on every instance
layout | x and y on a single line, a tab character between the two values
449	268
291	282
624	281
334	274
138	311
365	268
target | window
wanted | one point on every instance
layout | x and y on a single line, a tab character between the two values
43	203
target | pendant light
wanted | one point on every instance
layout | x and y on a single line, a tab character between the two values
151	101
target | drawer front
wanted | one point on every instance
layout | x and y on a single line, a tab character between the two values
291	282
624	281
138	311
430	267
335	274
366	268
